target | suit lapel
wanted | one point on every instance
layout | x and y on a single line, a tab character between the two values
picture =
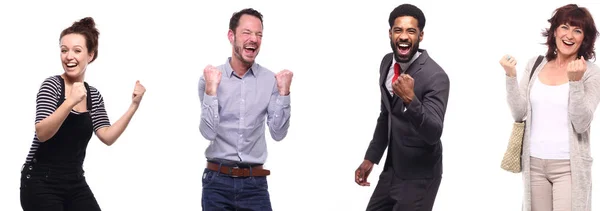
383	72
394	100
412	70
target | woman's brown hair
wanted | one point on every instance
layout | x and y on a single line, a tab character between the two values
575	16
87	28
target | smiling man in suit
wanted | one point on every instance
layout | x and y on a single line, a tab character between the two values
414	97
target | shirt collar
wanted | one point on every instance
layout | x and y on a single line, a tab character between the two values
229	70
404	66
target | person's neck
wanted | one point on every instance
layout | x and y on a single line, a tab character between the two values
70	81
240	68
562	61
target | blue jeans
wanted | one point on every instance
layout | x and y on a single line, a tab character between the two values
223	192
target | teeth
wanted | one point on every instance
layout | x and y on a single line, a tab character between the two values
568	43
403	45
71	65
251	48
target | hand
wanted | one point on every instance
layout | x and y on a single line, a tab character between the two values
212	76
404	88
509	64
576	69
138	93
362	173
284	81
78	93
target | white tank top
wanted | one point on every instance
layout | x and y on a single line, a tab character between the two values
549	121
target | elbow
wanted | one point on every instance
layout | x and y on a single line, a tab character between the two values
41	137
433	140
518	108
582	123
580	130
208	130
207	134
107	142
518	112
278	136
433	135
278	132
581	127
105	136
431	128
518	116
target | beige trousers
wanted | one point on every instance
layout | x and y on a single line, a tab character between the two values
550	185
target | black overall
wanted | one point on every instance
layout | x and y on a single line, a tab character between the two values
54	179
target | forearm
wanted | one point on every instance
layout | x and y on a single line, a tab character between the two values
427	118
581	105
279	117
109	135
516	98
380	139
426	114
209	120
48	127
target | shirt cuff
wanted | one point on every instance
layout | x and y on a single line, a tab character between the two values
210	100
576	84
413	105
283	101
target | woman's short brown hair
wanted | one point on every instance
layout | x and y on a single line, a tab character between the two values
575	16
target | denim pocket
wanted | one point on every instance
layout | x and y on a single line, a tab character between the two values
260	182
207	177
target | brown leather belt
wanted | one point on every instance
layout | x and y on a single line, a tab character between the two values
256	171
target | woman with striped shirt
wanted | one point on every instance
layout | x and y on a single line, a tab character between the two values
68	112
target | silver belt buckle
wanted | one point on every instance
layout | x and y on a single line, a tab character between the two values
231	171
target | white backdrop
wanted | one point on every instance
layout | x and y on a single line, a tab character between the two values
334	49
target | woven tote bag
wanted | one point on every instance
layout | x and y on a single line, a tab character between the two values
512	156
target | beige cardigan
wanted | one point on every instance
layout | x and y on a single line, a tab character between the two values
584	96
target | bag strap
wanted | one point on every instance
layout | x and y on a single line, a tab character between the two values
537	63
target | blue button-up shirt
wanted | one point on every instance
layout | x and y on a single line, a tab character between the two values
234	120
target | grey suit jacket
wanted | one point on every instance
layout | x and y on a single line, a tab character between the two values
412	131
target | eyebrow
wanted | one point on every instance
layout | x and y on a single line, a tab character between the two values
569	25
73	46
396	27
248	30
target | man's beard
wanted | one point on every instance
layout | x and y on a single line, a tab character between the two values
413	51
238	53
